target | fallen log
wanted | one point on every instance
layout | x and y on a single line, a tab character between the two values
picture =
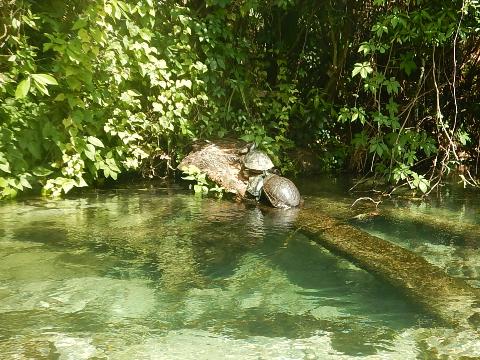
468	233
449	299
221	161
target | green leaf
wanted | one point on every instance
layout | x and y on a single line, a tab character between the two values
423	185
41	87
95	141
44	79
90	152
379	29
83	35
9	192
112	165
360	140
23	88
366	48
41	172
106	172
392	107
68	185
80	23
407	64
81	182
5	167
161	64
363	69
18	185
25	183
35	148
463	137
189	177
392	86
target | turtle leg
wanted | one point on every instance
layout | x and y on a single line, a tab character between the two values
260	188
259	195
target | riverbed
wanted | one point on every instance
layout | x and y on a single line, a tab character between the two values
151	271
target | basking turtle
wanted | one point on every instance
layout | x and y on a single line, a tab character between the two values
257	161
281	192
255	185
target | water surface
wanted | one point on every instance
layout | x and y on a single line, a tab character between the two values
157	273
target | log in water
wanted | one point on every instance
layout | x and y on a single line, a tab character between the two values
451	300
341	209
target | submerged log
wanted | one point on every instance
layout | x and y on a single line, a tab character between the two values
468	233
451	300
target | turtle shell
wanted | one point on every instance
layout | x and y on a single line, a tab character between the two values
281	192
257	160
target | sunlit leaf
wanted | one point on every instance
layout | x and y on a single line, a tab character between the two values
23	88
5	167
41	172
95	141
68	185
25	183
41	87
89	151
363	69
45	79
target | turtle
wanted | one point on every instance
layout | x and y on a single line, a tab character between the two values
257	161
281	192
255	185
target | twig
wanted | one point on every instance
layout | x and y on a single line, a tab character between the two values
455	66
478	156
421	81
439	112
366	198
361	181
396	188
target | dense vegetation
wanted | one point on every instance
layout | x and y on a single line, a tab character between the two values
91	89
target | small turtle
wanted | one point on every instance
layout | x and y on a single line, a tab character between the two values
255	185
281	192
257	161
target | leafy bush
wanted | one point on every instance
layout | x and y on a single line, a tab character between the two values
94	89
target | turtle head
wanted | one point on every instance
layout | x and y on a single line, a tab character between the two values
249	147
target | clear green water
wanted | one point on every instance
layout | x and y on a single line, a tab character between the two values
158	273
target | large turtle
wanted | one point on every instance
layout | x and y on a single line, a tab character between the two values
257	161
281	192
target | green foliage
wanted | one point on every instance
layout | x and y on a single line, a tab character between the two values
201	184
401	126
91	90
115	86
